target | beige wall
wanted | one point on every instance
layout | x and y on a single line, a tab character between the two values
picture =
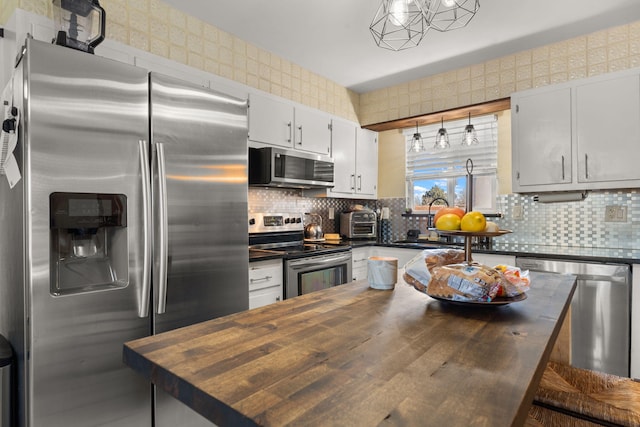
614	49
154	26
391	164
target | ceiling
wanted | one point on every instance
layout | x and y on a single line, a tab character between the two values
331	37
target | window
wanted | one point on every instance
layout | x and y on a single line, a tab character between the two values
443	173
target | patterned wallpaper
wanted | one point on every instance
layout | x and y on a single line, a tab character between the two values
156	27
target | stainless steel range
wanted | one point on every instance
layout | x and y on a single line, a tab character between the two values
308	267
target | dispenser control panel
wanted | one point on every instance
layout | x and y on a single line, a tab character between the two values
87	210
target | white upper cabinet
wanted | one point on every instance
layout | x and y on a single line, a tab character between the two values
580	135
280	123
343	136
367	162
355	154
312	131
270	121
608	130
541	139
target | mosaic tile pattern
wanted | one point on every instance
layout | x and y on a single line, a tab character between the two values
573	224
565	224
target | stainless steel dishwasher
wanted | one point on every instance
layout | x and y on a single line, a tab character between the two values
600	312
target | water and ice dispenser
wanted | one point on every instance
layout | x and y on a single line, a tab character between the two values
88	242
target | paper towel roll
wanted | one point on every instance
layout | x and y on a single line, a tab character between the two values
382	272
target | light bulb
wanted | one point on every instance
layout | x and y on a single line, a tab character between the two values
469	137
442	138
449	3
399	13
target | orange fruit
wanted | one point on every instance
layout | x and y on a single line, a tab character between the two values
448	210
448	222
473	221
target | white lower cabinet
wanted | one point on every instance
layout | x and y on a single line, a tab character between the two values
362	254
265	282
491	260
359	258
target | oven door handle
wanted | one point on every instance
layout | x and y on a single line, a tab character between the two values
304	263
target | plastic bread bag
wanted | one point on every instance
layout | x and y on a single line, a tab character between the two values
517	281
465	282
417	271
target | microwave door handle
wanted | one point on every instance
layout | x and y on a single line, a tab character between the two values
145	286
163	225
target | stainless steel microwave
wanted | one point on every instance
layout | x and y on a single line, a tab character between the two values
279	167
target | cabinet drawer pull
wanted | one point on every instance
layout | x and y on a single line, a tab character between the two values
259	279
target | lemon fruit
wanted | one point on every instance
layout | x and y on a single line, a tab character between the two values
448	222
473	221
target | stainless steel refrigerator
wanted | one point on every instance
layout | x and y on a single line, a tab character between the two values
129	219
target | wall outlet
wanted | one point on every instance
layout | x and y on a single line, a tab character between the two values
615	213
518	212
332	213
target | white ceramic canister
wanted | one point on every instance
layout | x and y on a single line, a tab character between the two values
382	272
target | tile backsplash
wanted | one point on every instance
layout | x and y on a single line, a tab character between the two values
567	224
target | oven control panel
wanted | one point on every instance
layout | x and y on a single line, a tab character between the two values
275	222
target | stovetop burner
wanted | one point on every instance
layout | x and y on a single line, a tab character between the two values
284	233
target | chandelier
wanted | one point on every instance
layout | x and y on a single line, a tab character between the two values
402	24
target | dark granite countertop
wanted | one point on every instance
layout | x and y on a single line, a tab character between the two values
613	255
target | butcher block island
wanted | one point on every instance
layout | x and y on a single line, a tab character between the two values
355	356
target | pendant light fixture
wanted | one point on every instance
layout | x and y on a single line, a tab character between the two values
469	136
446	15
417	143
442	138
399	24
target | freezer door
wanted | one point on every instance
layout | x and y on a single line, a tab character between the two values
199	168
84	117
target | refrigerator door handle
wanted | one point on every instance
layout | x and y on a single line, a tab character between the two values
145	287
163	244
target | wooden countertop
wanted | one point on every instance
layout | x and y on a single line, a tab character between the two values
351	355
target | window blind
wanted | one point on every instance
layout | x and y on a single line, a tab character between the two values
451	162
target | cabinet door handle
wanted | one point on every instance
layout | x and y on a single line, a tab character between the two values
277	298
586	166
353	181
359	182
300	129
290	131
260	279
563	168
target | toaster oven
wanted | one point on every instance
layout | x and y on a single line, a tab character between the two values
358	224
